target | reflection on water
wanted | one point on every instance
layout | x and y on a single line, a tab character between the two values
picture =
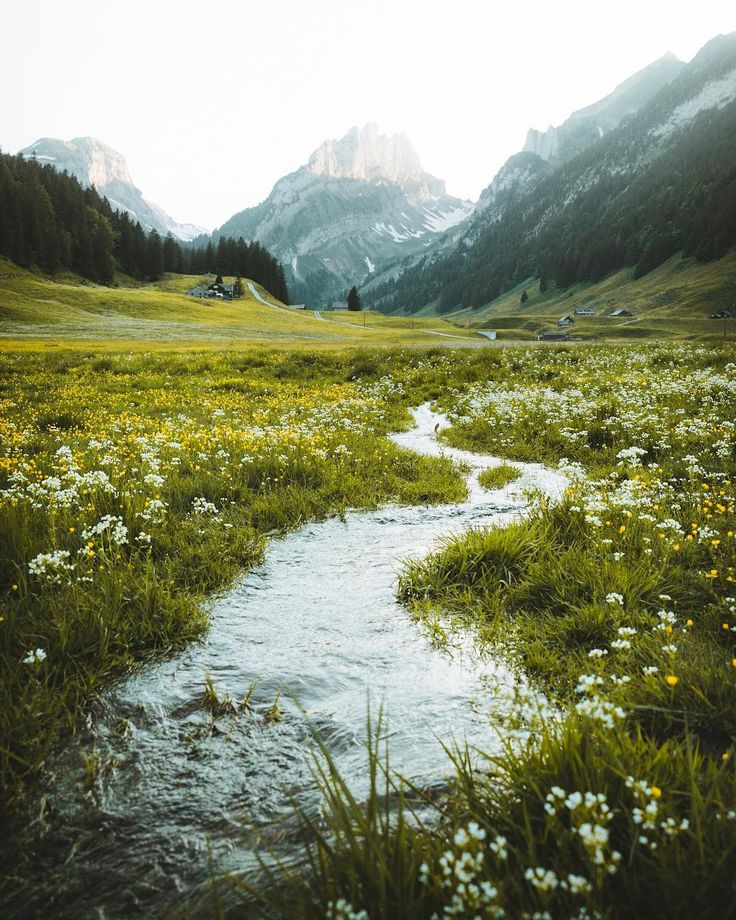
177	786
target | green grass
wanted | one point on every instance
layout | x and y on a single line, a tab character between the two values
141	482
615	793
637	557
672	302
496	477
41	312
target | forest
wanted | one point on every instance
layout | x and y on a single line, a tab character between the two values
50	222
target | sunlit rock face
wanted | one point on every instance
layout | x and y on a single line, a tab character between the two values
96	164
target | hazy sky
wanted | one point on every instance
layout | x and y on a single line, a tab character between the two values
212	102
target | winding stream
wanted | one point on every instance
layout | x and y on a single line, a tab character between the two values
317	621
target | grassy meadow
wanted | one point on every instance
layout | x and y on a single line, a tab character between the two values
673	302
149	447
132	485
615	794
36	311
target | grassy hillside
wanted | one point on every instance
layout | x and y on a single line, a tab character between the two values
674	300
69	310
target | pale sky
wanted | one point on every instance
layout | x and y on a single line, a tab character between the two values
212	102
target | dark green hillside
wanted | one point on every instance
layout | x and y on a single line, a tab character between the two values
636	197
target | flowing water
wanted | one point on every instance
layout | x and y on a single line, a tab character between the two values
175	790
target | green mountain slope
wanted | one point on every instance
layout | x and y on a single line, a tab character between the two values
663	181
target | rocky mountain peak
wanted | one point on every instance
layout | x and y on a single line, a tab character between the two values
364	153
86	158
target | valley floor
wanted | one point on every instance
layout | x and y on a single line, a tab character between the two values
134	484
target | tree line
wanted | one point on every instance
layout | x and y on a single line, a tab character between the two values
49	221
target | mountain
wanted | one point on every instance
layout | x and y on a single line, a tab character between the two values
662	180
94	163
587	125
358	204
542	149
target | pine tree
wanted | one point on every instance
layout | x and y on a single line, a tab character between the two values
171	254
354	299
154	264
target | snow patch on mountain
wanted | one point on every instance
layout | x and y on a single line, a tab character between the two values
438	221
714	95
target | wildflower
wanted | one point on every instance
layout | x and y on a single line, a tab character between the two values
587	682
35	656
475	831
109	526
53	568
343	910
620	643
542	879
672	680
498	846
577	884
600	710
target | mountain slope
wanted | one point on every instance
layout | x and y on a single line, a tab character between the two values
587	125
542	151
663	180
93	163
359	203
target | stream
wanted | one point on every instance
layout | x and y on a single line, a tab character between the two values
176	790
